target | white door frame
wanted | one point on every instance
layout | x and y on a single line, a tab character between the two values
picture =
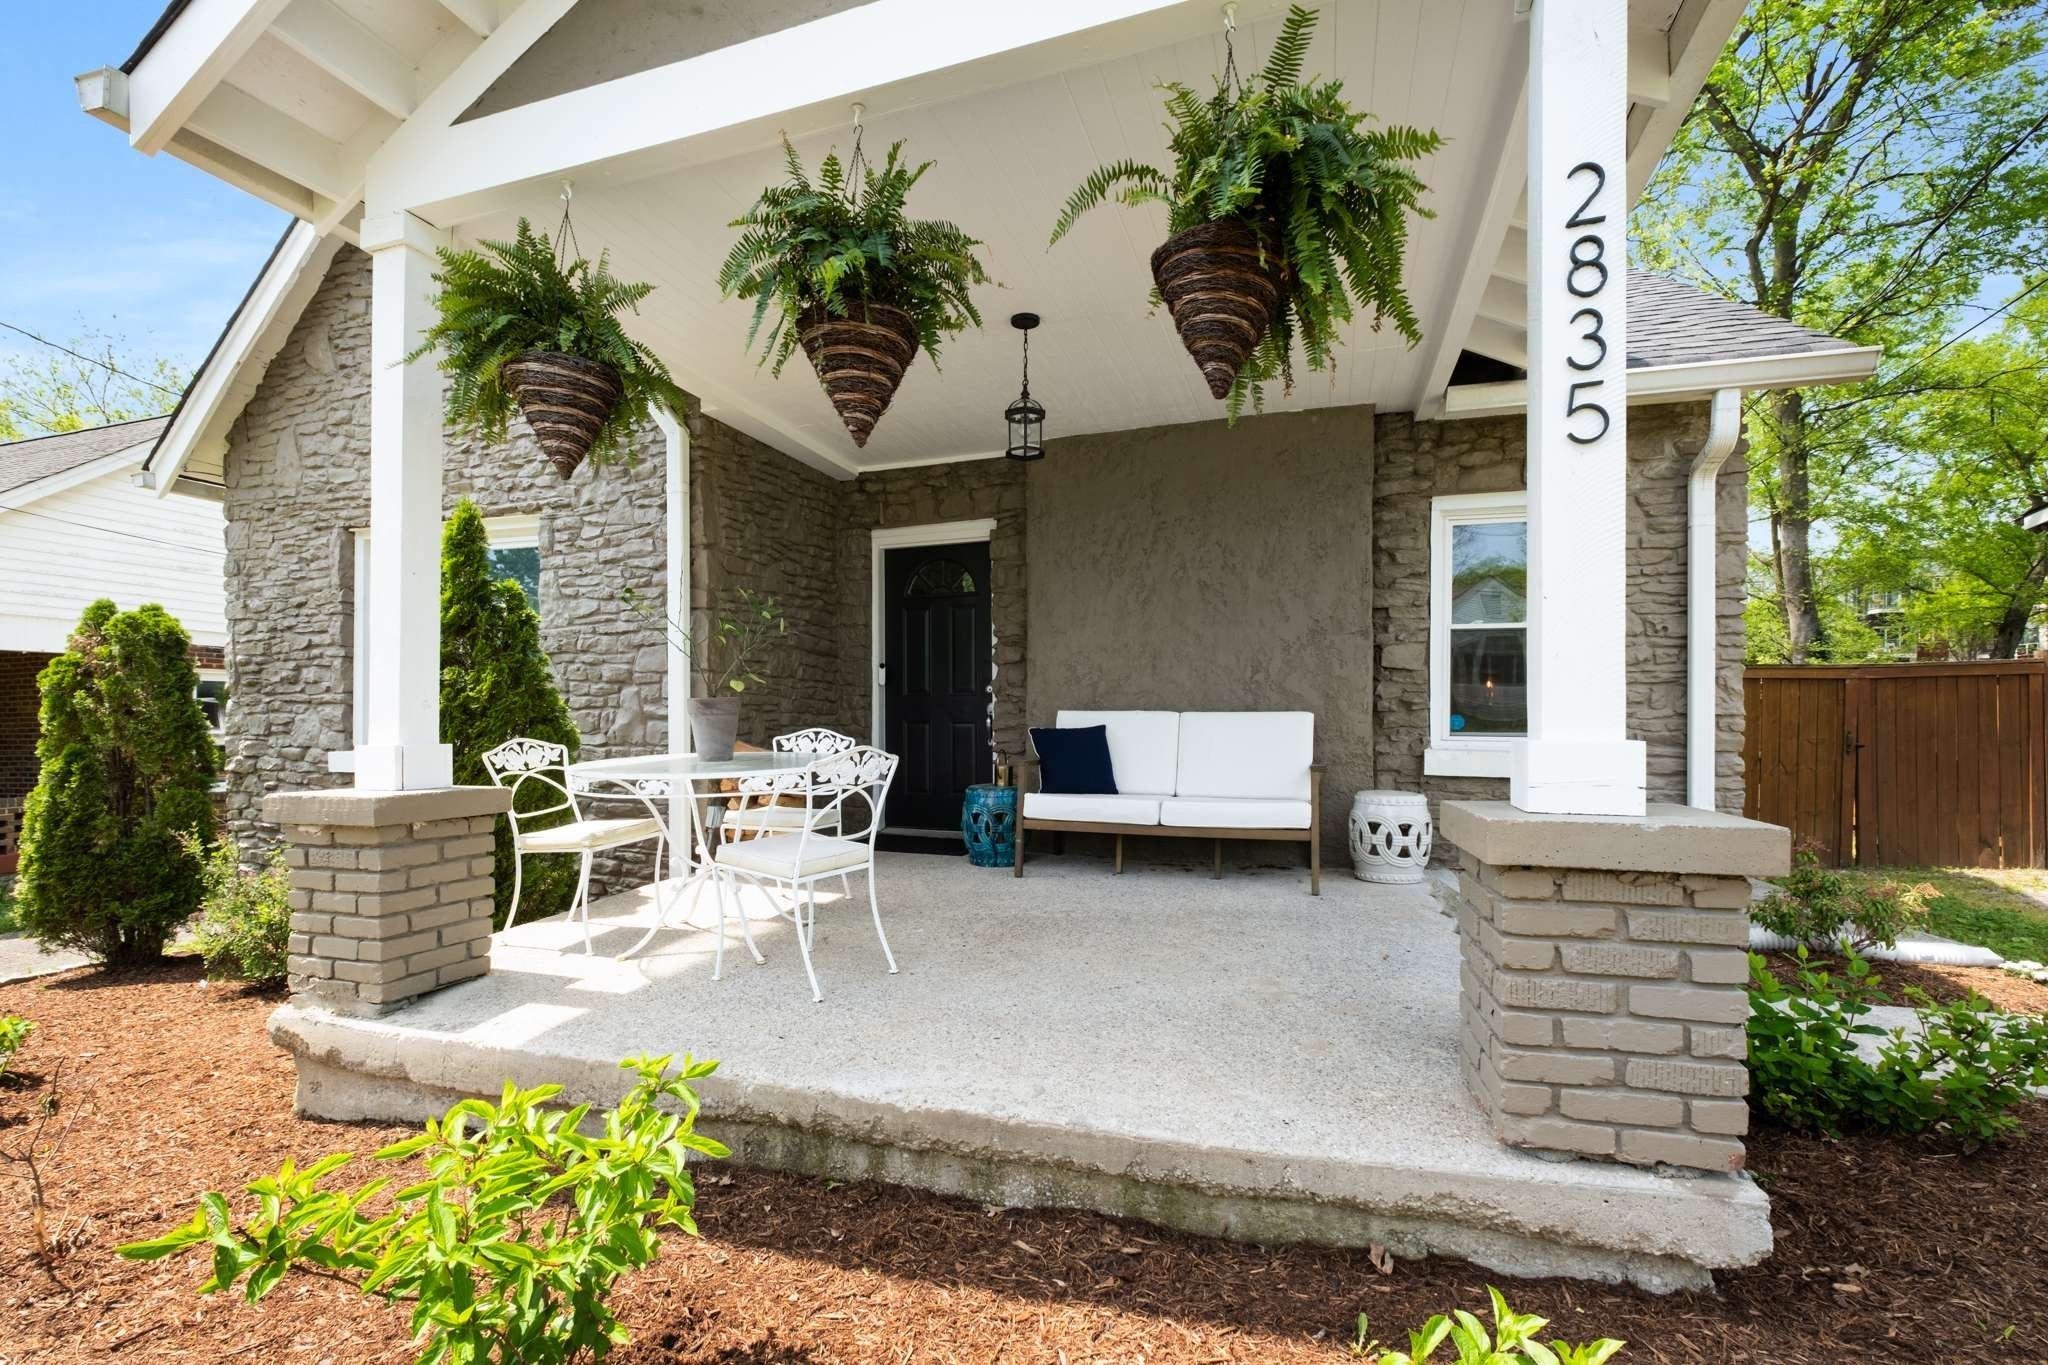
883	539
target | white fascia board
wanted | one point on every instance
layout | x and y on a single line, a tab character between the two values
1694	41
15	499
1667	383
188	62
741	96
230	376
103	94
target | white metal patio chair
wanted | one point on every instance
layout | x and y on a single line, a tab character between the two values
519	761
797	861
759	811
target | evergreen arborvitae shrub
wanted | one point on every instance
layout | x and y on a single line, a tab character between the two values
496	685
108	865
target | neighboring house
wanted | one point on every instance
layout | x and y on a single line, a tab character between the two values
75	526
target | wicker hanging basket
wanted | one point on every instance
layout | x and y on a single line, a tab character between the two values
860	359
565	399
1221	293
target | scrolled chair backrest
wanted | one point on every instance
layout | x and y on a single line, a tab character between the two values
519	761
863	771
815	740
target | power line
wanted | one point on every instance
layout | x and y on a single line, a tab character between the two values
110	531
92	360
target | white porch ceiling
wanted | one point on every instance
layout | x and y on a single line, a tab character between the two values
298	94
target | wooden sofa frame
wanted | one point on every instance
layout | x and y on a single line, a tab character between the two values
1312	836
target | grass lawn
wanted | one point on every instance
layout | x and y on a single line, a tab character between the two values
1983	906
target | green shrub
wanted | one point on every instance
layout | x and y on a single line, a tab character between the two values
1825	910
506	1249
1962	1074
127	767
496	684
14	1031
7	906
245	920
1512	1342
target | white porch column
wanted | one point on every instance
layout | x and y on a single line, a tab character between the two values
401	698
1577	759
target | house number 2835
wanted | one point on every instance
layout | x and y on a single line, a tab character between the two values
1586	279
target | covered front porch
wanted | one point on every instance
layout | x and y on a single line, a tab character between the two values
1229	1057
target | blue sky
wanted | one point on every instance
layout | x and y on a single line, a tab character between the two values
97	238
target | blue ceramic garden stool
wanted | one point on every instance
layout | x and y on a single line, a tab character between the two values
988	821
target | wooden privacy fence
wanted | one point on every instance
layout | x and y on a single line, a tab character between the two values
1903	764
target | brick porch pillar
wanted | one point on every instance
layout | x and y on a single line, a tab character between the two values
391	891
1603	992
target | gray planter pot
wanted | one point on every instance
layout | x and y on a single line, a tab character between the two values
714	725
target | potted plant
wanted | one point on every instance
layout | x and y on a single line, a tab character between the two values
725	655
851	278
522	322
1281	207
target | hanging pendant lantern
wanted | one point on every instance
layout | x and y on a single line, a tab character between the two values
1026	416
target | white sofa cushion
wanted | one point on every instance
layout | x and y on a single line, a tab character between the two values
1106	810
1143	745
1264	755
1208	812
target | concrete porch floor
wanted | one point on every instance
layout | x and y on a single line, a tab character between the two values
1230	1057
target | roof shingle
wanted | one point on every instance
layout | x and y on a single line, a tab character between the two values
1671	322
24	462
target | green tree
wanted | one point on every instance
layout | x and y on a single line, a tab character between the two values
1943	520
1861	167
127	771
50	391
496	685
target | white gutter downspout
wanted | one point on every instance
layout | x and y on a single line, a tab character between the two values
1702	630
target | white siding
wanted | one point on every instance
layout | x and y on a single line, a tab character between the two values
107	538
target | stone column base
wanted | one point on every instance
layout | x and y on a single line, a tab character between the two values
391	891
1604	982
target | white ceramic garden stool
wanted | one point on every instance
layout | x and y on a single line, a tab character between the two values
1390	836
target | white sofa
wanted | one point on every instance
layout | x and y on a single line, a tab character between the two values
1191	775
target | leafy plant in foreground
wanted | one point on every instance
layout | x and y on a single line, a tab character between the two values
518	296
1827	911
1512	1341
506	1250
1293	161
245	920
1961	1072
14	1031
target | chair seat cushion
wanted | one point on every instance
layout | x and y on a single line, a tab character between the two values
776	855
1104	810
774	817
582	835
1226	813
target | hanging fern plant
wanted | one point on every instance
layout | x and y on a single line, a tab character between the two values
532	323
850	277
1286	213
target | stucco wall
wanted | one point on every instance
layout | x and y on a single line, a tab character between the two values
1419	461
1205	568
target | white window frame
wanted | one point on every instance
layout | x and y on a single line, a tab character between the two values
1449	755
514	531
219	675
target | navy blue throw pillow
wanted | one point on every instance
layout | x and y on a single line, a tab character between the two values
1074	762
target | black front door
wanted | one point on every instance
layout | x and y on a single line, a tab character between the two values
935	683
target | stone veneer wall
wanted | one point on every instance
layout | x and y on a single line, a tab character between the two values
1419	461
297	481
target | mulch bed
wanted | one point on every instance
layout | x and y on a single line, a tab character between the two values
1887	1250
1943	983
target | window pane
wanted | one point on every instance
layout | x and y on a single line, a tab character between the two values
213	700
1489	682
521	564
1489	572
